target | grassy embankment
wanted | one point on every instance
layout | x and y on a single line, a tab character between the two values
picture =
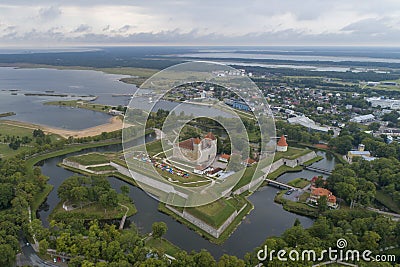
162	245
291	153
94	211
7	114
214	215
30	163
80	104
91	158
300	207
299	182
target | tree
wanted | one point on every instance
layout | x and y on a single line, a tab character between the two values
370	240
125	190
159	229
296	235
320	228
204	258
230	261
6	195
374	126
7	255
38	133
43	246
322	204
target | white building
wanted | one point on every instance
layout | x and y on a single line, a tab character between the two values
282	145
363	118
196	150
384	103
307	122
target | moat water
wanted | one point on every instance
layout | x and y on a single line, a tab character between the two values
267	219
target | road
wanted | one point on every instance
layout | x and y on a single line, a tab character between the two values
29	256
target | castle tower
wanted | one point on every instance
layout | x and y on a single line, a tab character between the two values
282	145
196	148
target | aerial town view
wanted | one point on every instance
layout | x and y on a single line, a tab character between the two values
200	133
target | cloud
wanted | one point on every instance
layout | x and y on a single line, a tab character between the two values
82	28
50	13
224	22
369	26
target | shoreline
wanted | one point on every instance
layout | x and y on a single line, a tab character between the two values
114	124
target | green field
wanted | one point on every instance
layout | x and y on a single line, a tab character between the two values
102	168
291	153
228	231
95	211
7	128
296	207
163	245
281	170
299	182
80	104
216	213
311	161
247	177
91	159
17	129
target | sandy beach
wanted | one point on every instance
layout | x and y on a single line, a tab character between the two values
114	124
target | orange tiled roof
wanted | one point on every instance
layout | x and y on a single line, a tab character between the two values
250	161
332	199
187	144
210	136
282	141
318	191
225	156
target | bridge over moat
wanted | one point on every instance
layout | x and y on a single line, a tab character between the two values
319	170
279	184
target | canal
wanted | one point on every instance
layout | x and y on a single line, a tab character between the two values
267	219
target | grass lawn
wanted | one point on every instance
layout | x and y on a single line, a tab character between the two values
68	149
214	214
291	153
14	130
296	207
303	198
299	182
94	211
387	201
80	104
91	159
228	231
7	152
120	161
248	175
11	128
311	161
162	245
102	168
154	148
281	170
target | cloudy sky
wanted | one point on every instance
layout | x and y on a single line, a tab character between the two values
28	23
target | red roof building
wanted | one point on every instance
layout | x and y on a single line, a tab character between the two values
210	136
318	192
282	141
282	145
